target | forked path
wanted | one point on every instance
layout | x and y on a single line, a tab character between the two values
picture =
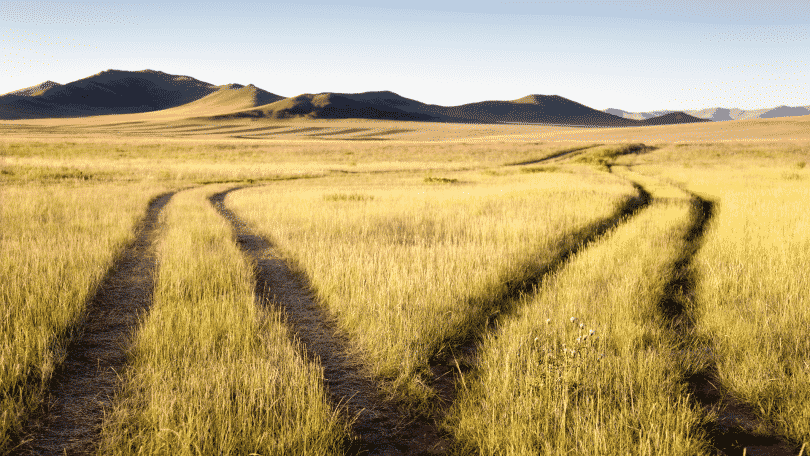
732	433
451	365
382	427
84	383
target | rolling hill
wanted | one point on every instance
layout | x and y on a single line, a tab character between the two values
329	106
108	92
532	109
126	92
227	98
36	90
720	114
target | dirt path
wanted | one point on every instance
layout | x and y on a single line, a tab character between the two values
567	153
733	431
84	383
449	367
382	427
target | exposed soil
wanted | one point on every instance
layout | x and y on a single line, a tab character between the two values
567	153
382	426
84	383
737	430
449	366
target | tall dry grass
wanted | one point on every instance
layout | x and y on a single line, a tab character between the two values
587	365
57	239
211	372
753	297
410	265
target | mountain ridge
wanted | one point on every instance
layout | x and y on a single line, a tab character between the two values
720	114
123	92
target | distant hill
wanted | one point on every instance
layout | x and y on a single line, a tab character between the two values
108	92
227	98
552	109
337	106
121	92
547	109
720	114
36	90
672	118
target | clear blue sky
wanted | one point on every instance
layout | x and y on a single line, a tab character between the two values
633	55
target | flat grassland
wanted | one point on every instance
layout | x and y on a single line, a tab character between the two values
521	289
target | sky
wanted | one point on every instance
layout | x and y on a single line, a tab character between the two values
635	55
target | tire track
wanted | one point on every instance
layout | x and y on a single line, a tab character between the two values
381	427
450	366
567	153
734	430
85	382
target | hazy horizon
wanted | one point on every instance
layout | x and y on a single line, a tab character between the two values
631	55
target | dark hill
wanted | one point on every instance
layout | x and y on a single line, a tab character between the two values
333	106
785	111
388	105
542	109
36	90
108	92
672	118
119	92
228	98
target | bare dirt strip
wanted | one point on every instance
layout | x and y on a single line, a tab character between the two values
733	431
567	153
452	364
382	426
84	383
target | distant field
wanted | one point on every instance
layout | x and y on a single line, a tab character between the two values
462	267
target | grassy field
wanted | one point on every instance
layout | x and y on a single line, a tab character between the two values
587	366
414	236
411	264
58	236
753	294
211	372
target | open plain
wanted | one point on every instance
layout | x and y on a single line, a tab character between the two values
389	287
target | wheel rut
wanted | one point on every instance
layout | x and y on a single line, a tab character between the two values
452	365
381	426
85	381
734	430
567	153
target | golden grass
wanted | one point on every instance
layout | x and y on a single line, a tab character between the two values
409	239
753	290
213	373
57	239
547	384
785	130
409	266
241	161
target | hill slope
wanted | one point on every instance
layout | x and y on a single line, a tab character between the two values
228	98
108	92
537	109
124	92
334	106
677	117
34	91
720	114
